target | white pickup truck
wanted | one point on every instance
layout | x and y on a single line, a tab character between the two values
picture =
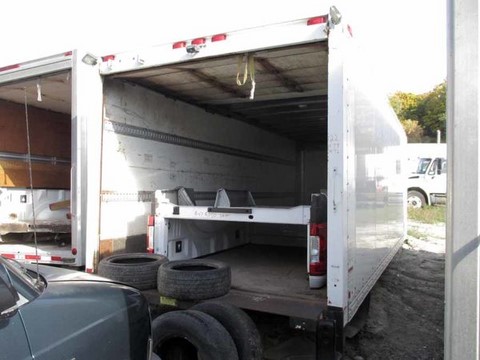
427	184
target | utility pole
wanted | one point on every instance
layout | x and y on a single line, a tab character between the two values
462	272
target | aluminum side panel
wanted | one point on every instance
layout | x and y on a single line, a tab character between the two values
86	150
462	267
377	174
366	178
337	177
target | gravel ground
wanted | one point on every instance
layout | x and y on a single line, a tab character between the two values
407	304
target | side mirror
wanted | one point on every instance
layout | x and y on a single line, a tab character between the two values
439	166
8	299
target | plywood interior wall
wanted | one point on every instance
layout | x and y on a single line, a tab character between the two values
50	136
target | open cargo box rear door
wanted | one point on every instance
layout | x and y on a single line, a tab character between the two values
52	94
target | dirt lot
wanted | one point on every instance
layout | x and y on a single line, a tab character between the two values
407	304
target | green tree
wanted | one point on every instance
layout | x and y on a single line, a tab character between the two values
405	105
429	110
413	130
433	110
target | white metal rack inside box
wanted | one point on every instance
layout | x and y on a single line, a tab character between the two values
297	215
230	205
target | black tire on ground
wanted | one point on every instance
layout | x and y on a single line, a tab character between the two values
240	327
195	279
137	269
191	334
416	199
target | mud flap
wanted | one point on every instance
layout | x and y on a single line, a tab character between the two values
329	335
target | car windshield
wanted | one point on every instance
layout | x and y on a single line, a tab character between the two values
423	165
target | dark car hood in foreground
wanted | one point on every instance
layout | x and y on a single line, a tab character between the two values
53	274
76	319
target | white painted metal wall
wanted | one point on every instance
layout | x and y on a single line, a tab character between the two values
16	204
134	163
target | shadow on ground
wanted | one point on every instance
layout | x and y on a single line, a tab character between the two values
407	308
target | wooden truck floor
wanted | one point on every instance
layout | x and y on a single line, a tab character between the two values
272	279
266	278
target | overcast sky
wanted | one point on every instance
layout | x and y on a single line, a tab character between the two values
406	38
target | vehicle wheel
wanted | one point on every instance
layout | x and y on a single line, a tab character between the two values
195	279
137	269
240	327
416	199
191	334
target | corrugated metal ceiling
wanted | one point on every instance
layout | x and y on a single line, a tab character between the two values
52	92
290	95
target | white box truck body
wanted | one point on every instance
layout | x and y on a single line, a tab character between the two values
307	121
50	115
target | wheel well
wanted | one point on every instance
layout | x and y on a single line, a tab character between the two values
421	191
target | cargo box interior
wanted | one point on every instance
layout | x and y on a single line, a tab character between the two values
45	103
204	133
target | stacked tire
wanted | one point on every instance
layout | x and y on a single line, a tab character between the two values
214	331
195	279
239	325
139	270
208	330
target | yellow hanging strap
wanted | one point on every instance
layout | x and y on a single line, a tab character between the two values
251	65
248	68
239	69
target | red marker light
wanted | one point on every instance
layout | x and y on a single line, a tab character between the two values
179	45
219	37
74	251
108	57
350	31
199	41
9	67
318	20
151	220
